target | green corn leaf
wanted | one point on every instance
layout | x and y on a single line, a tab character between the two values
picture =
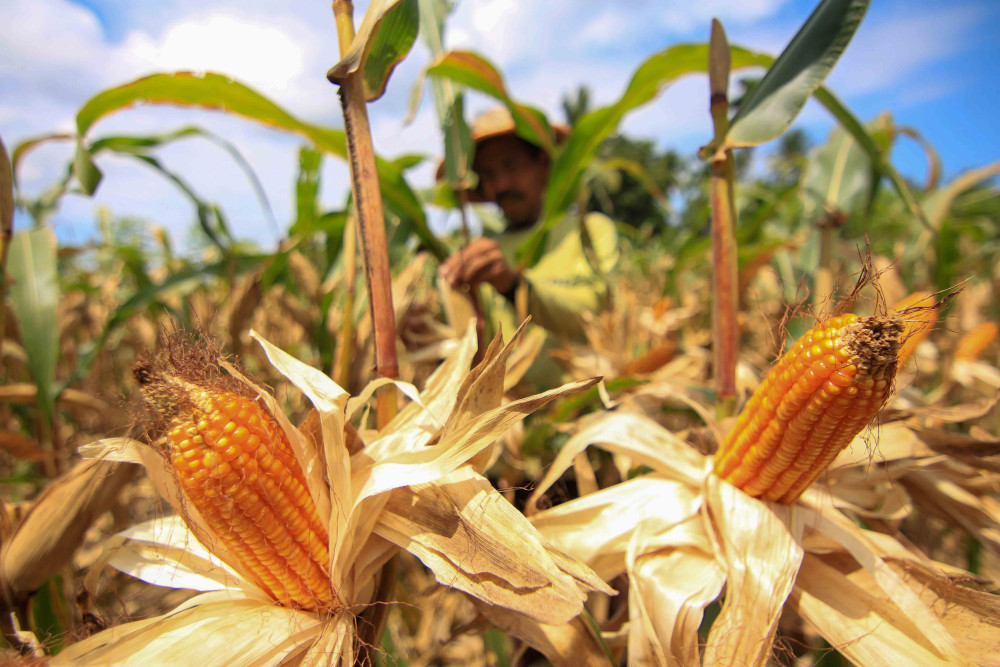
86	172
307	188
215	91
476	72
34	296
838	176
383	40
800	69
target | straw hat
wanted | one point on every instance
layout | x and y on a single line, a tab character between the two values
497	123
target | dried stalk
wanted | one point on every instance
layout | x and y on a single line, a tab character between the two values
6	226
725	279
370	217
345	337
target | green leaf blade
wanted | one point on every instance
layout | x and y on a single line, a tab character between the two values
476	72
800	69
218	92
86	172
838	177
307	188
390	45
34	295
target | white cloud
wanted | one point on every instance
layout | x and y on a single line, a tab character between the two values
260	55
55	54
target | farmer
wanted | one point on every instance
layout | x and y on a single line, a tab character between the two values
569	279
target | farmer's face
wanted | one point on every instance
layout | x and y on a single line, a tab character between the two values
514	178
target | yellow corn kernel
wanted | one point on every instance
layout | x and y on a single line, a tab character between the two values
919	313
236	468
972	344
816	398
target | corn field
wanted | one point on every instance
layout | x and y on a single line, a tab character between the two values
775	441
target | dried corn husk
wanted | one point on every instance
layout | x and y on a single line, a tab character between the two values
681	534
55	525
410	487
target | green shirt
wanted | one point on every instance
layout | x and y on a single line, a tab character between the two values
564	284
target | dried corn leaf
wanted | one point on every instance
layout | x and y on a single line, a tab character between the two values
971	373
120	450
524	356
426	464
23	447
482	389
856	616
972	617
823	518
367	567
164	552
54	527
871	493
673	576
761	547
952	414
334	646
438	397
570	644
640	438
979	515
232	632
475	541
595	530
958	444
889	442
457	306
69	398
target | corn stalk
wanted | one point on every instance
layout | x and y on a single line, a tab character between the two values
369	215
6	226
725	279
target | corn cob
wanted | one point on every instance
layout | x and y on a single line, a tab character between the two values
972	344
819	395
653	360
919	313
237	470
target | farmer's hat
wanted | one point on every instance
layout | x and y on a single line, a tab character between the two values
497	123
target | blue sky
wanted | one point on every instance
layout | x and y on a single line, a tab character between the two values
931	64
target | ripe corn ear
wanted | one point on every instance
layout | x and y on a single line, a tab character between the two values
972	344
656	358
819	395
237	469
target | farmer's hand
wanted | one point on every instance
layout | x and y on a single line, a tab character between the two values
479	262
